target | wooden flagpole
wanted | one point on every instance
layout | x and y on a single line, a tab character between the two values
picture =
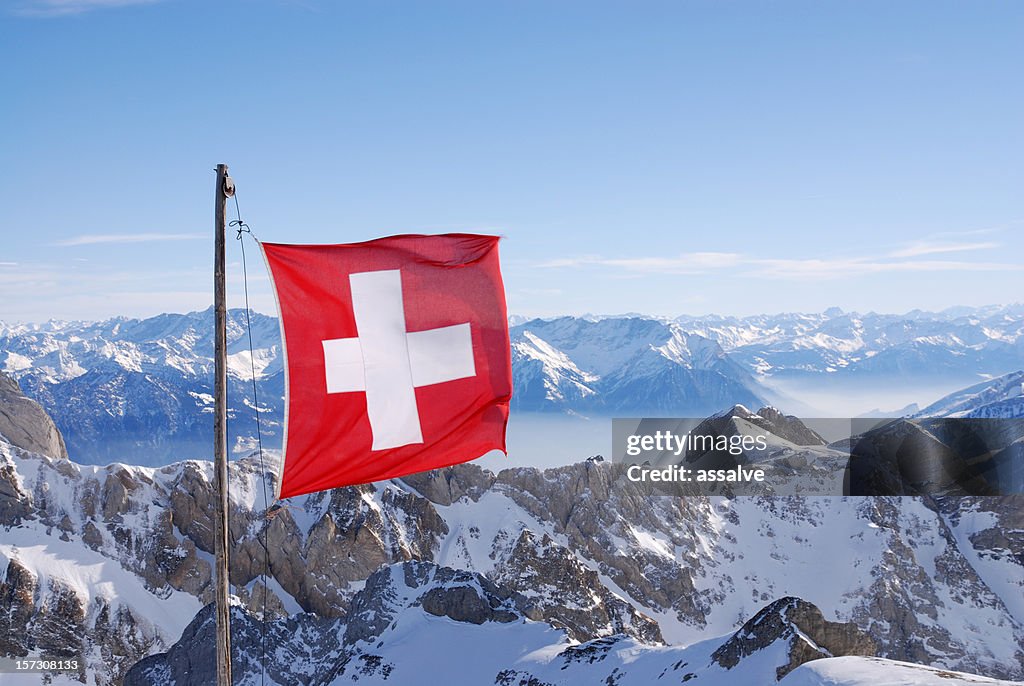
225	189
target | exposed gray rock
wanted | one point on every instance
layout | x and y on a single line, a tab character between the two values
446	486
17	591
801	627
568	595
15	504
42	618
305	650
790	427
311	650
24	423
441	591
593	503
467	597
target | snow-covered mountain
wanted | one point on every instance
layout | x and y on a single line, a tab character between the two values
837	363
998	398
140	390
564	576
624	365
956	344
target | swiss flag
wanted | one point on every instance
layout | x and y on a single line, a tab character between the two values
396	357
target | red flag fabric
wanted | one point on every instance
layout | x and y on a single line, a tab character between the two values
396	356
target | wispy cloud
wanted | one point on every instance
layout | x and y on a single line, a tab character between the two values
687	263
59	8
897	261
41	291
819	269
933	248
93	239
8	264
1011	225
540	291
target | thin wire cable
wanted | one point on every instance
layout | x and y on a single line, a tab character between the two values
242	227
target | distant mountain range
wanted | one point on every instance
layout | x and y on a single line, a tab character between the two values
141	390
959	343
627	365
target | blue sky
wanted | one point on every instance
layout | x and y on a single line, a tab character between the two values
658	157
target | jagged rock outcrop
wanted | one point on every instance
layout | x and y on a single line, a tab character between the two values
460	595
789	427
466	597
17	592
805	634
24	423
55	627
448	485
312	650
739	421
592	504
294	643
570	596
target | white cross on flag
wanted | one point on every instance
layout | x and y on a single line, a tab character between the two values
396	357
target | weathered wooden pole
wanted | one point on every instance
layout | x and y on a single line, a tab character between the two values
225	189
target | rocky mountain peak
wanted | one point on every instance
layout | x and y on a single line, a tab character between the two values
738	421
789	427
25	424
801	629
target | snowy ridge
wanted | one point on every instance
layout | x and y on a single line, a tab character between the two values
624	365
1001	397
864	671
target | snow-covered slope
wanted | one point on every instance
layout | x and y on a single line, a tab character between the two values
998	398
624	365
416	623
867	671
70	586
